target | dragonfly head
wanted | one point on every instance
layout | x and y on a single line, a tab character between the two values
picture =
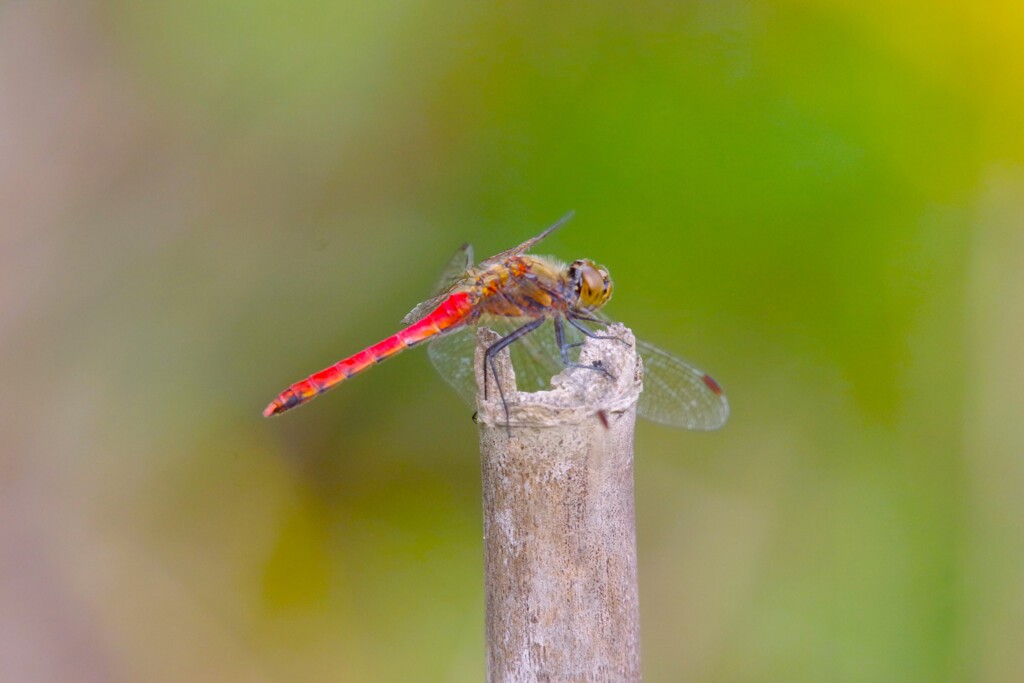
591	286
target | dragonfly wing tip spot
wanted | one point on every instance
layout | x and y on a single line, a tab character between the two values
712	384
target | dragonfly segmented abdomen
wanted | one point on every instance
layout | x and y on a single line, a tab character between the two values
455	311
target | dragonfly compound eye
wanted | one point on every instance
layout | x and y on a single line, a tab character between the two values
591	285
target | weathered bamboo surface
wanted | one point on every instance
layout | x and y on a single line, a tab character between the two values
560	539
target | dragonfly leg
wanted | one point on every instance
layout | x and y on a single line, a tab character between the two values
494	349
580	316
574	320
564	347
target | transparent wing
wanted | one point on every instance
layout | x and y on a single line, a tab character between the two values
678	394
528	244
675	392
421	309
452	275
455	269
452	357
535	357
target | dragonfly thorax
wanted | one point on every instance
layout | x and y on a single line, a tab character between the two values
591	286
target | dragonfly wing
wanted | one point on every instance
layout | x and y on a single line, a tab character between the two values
452	357
528	244
675	392
452	275
678	394
424	308
455	270
535	357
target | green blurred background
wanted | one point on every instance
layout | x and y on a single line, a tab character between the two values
819	202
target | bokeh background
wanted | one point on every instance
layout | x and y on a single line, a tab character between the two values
200	202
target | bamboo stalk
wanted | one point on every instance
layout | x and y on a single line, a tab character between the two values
560	538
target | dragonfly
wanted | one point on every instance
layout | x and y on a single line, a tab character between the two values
522	293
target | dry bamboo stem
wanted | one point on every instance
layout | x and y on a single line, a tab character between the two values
560	537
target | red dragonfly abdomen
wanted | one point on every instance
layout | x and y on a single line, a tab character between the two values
454	311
